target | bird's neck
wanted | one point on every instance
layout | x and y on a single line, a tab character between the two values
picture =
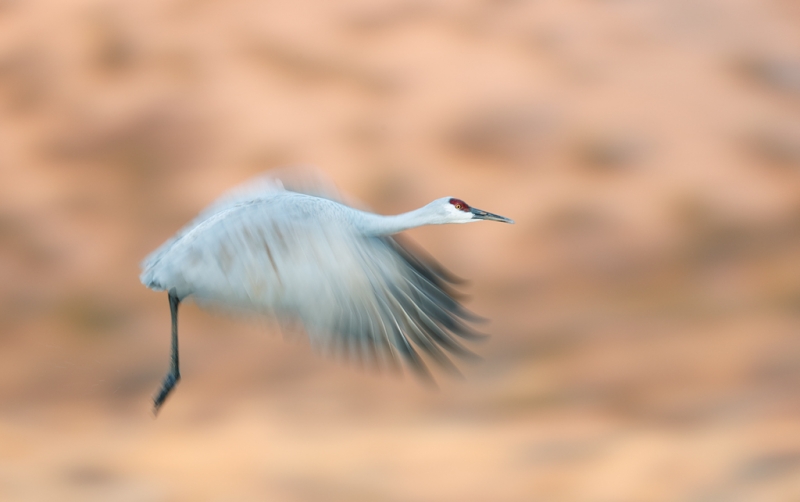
376	224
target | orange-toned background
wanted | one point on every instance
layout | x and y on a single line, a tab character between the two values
646	305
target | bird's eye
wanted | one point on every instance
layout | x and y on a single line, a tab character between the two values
459	204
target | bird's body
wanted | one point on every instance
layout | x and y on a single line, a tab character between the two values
311	259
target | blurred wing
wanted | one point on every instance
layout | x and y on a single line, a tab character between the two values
399	308
367	298
310	181
300	179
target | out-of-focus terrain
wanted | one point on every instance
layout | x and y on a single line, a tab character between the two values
645	307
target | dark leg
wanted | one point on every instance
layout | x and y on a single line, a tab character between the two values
174	374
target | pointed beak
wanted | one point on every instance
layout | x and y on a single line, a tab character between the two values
480	214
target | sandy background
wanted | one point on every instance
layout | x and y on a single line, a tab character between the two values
645	306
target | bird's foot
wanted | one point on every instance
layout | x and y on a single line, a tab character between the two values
167	385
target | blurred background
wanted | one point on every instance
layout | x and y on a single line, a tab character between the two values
645	307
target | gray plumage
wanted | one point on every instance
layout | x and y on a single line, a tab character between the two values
294	256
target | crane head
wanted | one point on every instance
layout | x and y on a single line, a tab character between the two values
458	211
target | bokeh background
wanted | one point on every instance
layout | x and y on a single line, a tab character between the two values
645	307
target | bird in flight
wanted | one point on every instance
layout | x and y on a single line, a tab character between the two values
299	253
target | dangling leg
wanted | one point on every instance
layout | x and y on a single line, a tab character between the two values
174	372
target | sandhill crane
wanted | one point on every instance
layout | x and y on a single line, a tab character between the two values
303	255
